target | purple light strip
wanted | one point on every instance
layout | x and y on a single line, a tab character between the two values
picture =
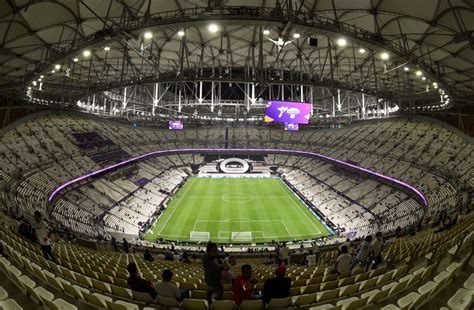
219	150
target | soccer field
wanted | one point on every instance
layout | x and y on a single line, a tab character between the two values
235	210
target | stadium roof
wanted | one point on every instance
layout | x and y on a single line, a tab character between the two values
393	49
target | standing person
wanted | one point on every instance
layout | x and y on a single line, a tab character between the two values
284	254
243	285
343	261
363	253
277	252
377	247
125	245
42	232
213	272
278	287
311	259
227	275
137	283
346	243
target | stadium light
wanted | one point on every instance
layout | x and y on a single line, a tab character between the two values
52	71
418	73
296	35
406	69
213	28
106	48
181	33
423	78
266	32
34	83
86	53
362	50
148	35
341	42
41	76
57	66
75	59
384	56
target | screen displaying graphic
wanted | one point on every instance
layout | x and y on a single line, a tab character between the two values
291	127
288	112
175	125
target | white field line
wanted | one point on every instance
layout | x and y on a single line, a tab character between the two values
298	206
176	207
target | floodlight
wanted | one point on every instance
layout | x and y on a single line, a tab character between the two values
362	50
181	33
57	66
406	69
418	73
384	56
296	35
148	35
75	59
266	32
106	48
213	28
86	53
341	42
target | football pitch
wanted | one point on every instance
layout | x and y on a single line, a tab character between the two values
236	210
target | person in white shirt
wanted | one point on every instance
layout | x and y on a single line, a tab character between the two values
42	232
311	259
284	254
343	261
166	288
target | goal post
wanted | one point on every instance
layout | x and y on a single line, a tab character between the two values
201	236
241	236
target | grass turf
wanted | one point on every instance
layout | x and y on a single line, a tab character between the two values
265	207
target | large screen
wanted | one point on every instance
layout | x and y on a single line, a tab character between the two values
291	127
175	125
288	112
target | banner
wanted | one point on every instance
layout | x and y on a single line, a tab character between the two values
175	125
292	127
288	112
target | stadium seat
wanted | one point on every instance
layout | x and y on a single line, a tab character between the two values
194	304
121	305
168	302
461	300
252	305
10	304
3	294
303	300
352	303
279	303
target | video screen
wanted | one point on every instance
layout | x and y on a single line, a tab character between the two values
175	125
288	112
292	127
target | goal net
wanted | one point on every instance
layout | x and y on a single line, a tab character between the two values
241	236
200	236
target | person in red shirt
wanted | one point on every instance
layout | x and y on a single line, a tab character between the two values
243	285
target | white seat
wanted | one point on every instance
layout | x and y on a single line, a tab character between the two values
10	304
390	307
408	300
427	287
469	283
3	294
128	305
461	300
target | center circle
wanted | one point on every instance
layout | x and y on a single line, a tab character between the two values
236	198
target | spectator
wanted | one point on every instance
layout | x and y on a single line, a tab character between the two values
277	252
125	245
147	256
243	285
166	288
213	272
377	247
278	287
311	259
227	275
136	283
364	253
284	254
186	258
346	243
42	233
343	261
113	242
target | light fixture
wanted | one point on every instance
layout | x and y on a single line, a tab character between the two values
52	71
57	66
406	69
86	53
34	83
213	28
29	87
423	78
266	32
41	76
384	56
341	42
181	33
40	79
418	73
362	50
75	59
296	35
148	35
106	48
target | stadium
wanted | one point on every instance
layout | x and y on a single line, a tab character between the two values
215	148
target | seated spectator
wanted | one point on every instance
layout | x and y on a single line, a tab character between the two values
278	287
166	288
147	256
227	275
186	258
136	283
343	261
243	285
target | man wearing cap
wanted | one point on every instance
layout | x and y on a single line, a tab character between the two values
277	287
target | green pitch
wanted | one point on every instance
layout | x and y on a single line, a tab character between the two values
236	211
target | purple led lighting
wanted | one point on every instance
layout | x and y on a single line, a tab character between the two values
204	150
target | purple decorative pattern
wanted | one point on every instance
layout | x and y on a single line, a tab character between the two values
288	112
175	125
291	127
417	192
